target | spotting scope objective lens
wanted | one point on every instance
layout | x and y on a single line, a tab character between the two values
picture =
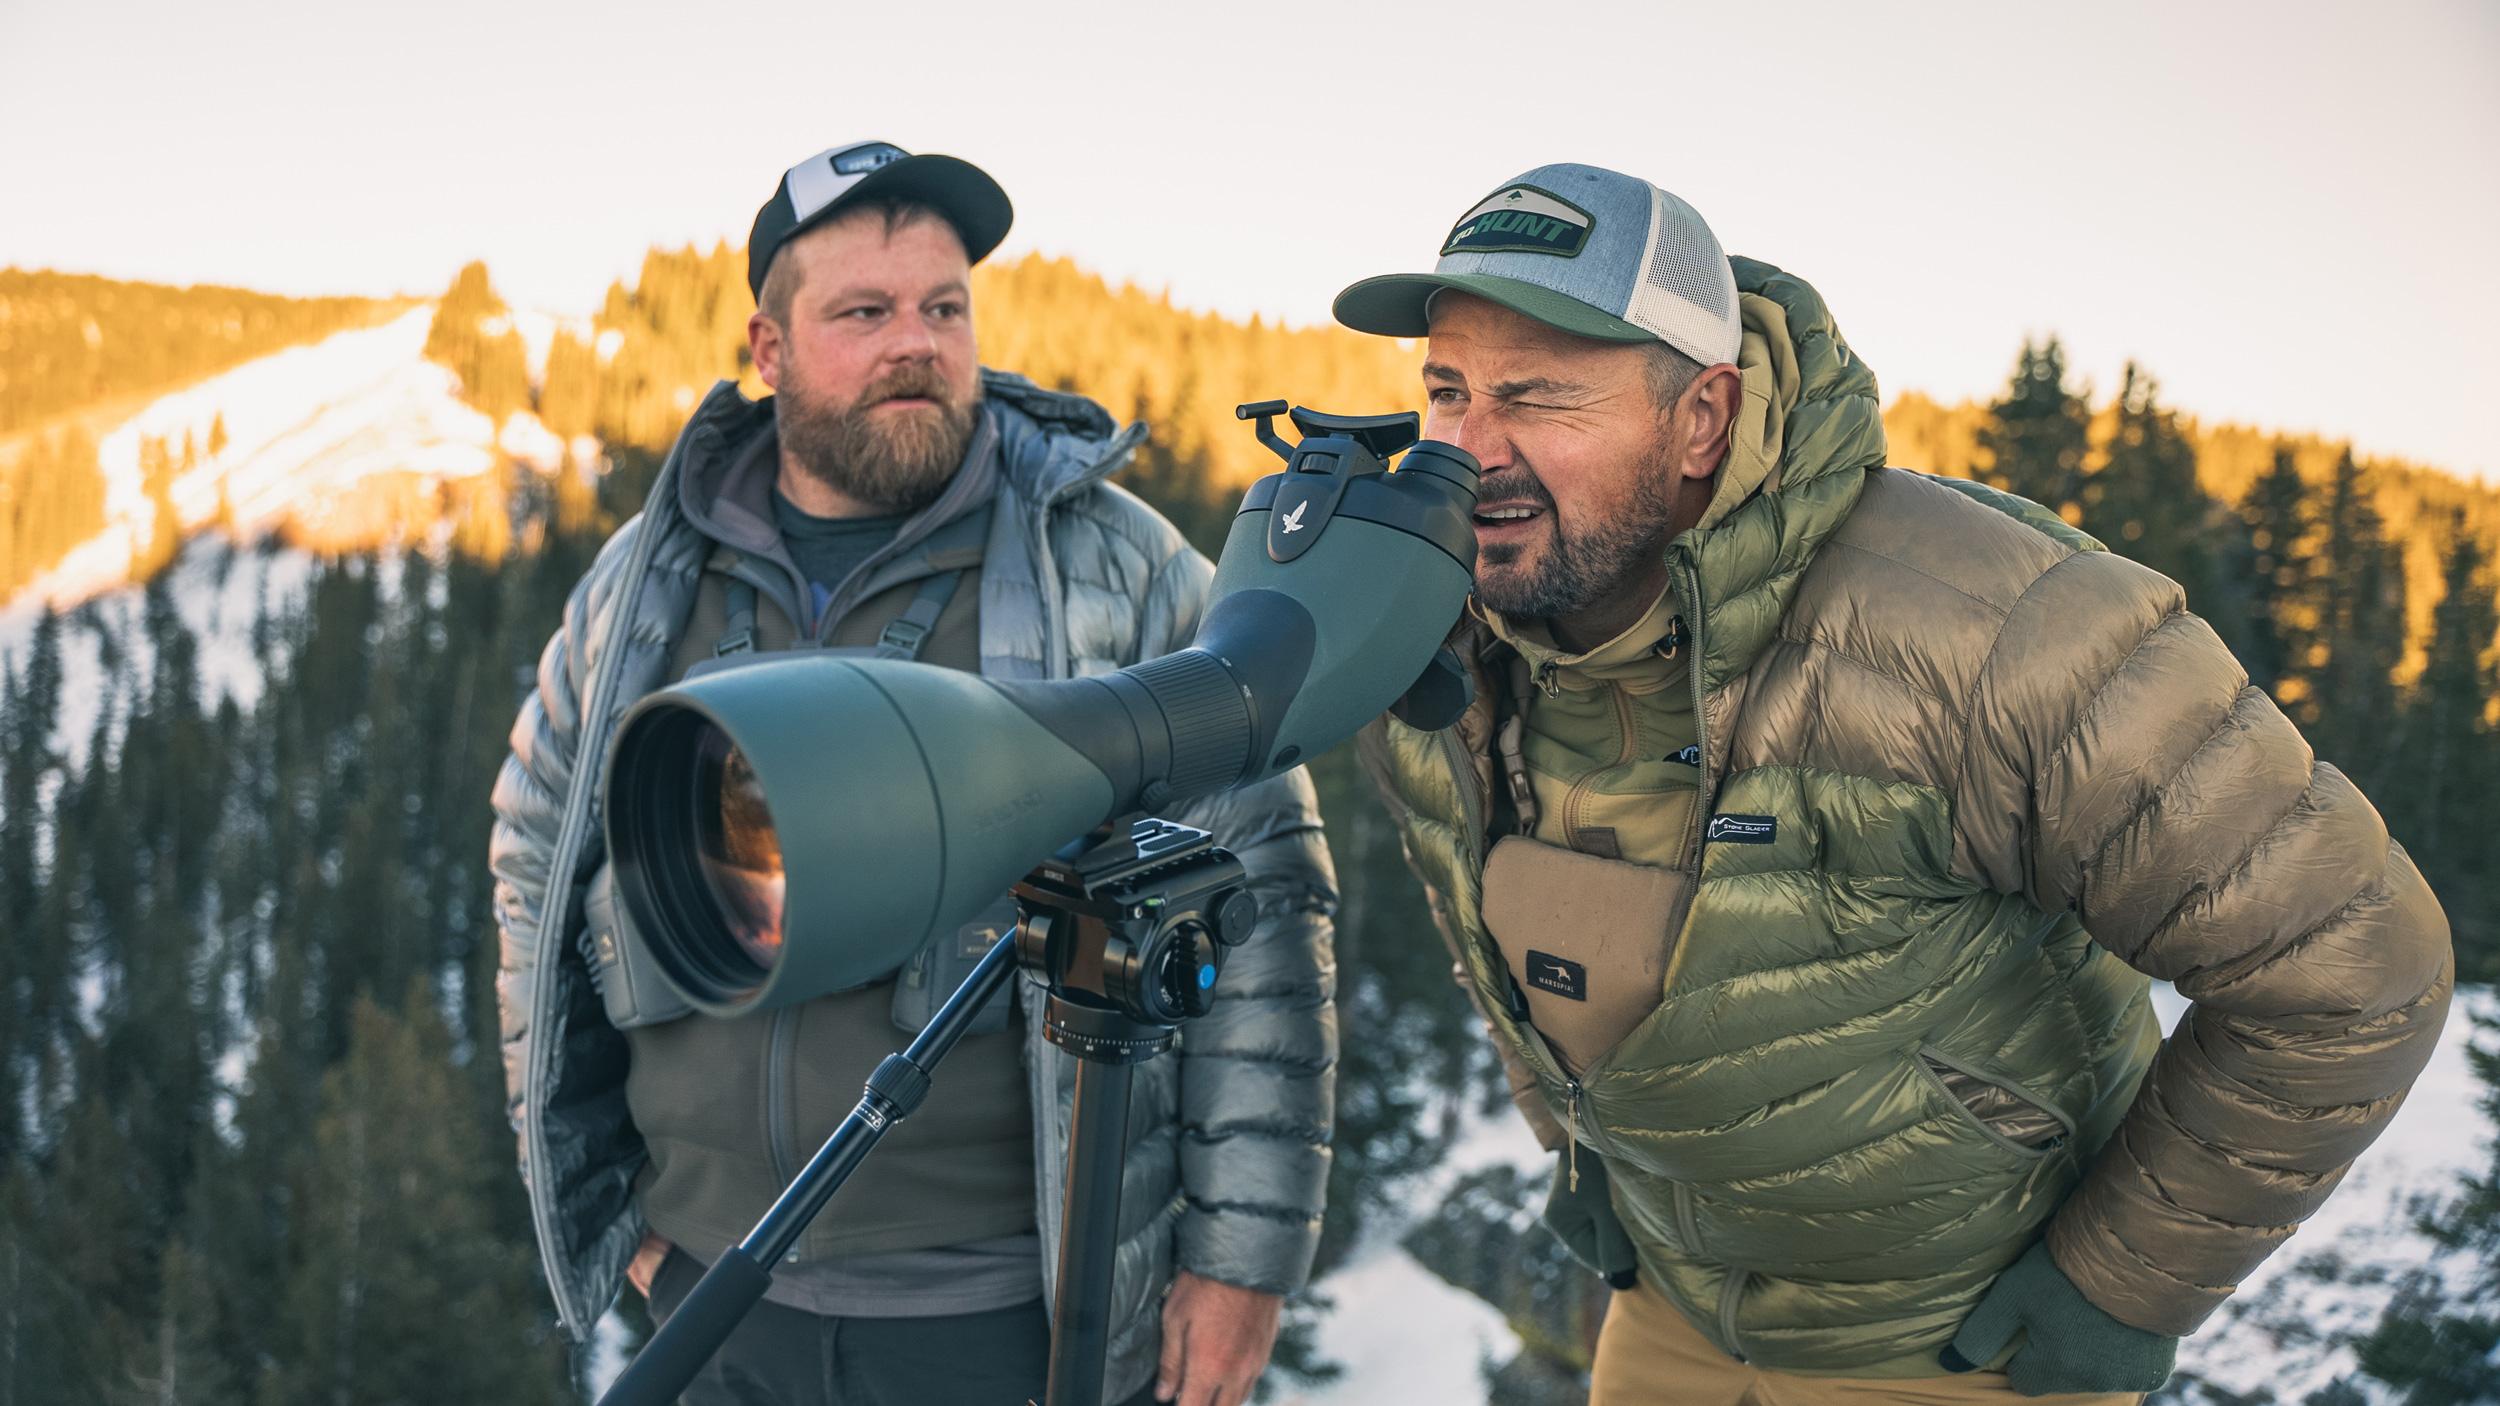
737	849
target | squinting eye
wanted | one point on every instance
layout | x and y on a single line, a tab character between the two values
1444	395
947	311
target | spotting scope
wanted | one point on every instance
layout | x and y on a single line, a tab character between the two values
804	823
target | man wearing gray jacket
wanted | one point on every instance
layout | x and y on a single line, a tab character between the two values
892	494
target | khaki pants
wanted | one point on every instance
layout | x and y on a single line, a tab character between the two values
1648	1354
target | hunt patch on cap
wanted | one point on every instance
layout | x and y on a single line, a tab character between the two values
1522	219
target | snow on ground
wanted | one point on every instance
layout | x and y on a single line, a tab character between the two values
1404	1334
2336	1273
301	424
1400	1331
218	590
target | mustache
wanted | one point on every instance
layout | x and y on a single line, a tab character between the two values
1514	485
916	382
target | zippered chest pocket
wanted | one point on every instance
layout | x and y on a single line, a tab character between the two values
2011	1115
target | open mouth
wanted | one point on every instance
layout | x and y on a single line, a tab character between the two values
1501	517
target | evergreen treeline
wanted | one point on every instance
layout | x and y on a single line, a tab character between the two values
252	1142
72	341
51	499
2361	595
472	333
252	1145
73	346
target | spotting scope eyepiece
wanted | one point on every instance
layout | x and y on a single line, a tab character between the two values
805	823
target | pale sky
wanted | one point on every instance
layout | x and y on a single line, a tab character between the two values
2288	211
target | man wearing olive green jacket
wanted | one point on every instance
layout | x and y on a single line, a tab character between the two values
1812	836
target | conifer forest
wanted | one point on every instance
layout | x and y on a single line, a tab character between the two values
253	1145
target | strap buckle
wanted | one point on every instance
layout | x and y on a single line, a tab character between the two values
901	639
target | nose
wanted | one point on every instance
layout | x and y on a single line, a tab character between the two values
914	339
1479	435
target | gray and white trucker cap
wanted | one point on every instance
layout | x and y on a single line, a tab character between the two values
816	189
1593	252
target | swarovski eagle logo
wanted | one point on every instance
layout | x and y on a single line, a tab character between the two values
1293	520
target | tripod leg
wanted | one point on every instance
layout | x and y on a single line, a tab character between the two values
1097	1147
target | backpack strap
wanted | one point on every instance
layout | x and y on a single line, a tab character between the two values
904	636
739	638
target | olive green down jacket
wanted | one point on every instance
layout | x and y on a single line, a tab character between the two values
2006	776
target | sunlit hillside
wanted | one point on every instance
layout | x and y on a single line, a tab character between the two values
259	687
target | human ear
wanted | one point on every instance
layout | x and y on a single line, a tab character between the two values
1710	402
764	343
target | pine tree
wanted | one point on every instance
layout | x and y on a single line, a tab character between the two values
398	1282
182	1364
2281	531
164	534
2361	622
2438	1343
2145	501
2037	433
2450	762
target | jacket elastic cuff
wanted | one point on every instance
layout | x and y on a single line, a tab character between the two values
1271	1254
2118	1282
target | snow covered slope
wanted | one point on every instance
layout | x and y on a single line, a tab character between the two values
2283	1331
301	425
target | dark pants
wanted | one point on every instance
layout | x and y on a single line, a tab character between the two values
782	1356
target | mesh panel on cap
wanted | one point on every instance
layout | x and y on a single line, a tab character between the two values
1687	293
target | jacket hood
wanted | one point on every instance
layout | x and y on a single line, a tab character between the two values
1050	444
1810	426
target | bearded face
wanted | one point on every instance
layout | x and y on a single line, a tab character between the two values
894	446
1581	558
864	332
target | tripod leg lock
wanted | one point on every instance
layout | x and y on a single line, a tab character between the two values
894	1090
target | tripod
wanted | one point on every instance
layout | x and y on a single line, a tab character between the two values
1128	938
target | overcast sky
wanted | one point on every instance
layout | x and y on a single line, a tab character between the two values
2289	211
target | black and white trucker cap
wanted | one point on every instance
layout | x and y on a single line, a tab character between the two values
824	183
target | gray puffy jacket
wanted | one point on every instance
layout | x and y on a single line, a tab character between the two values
1228	1157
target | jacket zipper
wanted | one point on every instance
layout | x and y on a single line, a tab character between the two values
1693	657
1732	1290
1731	1295
580	803
781	1042
1575	800
1571	1120
1686	1223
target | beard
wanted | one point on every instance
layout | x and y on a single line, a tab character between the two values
1577	569
899	461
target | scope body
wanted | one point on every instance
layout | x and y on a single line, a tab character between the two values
902	798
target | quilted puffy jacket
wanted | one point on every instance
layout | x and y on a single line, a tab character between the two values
1228	1139
1974	779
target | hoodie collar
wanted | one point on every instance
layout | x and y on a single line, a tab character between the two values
1646	658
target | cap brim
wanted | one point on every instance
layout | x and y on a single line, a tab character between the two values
1393	305
962	192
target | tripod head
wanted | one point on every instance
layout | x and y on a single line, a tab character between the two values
1130	936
